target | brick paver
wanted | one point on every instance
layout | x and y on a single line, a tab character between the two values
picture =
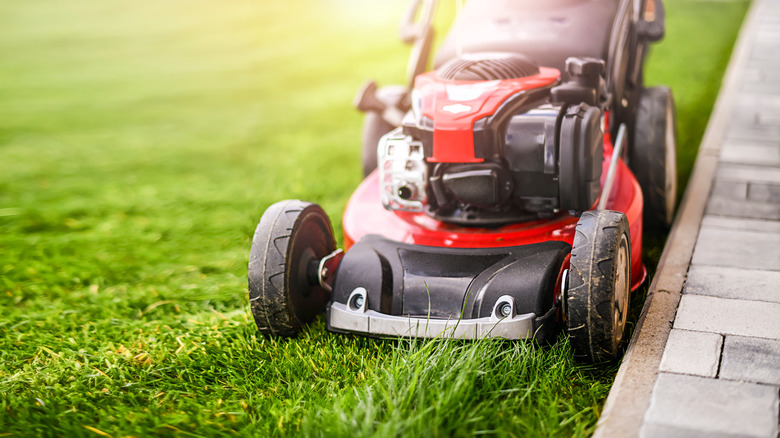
738	248
761	153
734	283
695	353
727	316
740	224
751	360
696	406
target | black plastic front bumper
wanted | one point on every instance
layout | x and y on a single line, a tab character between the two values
387	288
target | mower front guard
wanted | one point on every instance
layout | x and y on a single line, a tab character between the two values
384	288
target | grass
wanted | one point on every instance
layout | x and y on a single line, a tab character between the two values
139	144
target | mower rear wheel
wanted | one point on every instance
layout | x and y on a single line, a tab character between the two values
653	156
284	291
597	297
375	126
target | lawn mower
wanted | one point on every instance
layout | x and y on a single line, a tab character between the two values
505	191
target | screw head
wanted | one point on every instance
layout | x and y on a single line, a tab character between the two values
359	300
506	309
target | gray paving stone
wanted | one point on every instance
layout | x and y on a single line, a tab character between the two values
764	192
761	153
762	62
740	224
752	73
755	130
711	407
756	103
722	206
751	360
764	87
765	52
734	283
758	55
695	353
652	430
728	317
739	172
738	249
730	189
769	118
766	27
759	118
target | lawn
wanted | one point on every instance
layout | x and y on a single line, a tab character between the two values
139	144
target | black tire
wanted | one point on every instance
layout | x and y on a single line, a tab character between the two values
374	126
621	80
653	156
597	297
284	293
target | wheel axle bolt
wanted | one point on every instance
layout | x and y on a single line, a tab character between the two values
506	309
359	300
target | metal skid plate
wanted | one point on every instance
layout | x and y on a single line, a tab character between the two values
350	317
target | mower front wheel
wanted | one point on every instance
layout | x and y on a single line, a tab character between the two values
597	297
284	291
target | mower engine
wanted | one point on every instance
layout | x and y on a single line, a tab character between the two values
493	139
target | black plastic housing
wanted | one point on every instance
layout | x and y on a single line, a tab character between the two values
581	153
531	154
547	31
585	84
450	283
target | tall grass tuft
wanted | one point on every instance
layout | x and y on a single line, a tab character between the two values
446	387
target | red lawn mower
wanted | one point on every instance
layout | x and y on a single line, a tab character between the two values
505	191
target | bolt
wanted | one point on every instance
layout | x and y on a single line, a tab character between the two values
359	300
506	309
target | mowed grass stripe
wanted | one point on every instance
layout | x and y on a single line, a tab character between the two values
140	143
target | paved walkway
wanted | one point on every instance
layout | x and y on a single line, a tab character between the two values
705	360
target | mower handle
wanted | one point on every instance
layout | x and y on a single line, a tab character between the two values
420	33
411	30
652	23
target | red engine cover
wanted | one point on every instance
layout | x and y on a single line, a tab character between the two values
454	106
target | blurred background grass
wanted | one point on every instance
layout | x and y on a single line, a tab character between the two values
140	143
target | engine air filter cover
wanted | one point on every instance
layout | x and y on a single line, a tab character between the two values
488	67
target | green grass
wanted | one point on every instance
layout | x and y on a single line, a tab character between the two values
140	143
